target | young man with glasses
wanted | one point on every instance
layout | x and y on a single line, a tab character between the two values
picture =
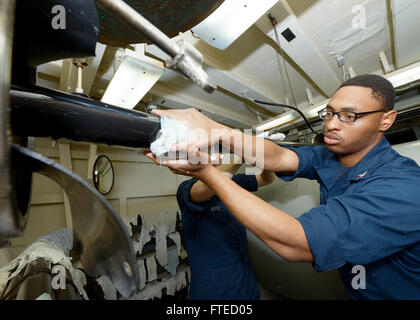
370	195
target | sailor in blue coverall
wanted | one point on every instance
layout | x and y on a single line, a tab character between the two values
369	216
216	242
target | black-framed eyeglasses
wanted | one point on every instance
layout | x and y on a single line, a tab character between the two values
344	116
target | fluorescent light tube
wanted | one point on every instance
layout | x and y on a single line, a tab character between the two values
313	112
277	121
405	75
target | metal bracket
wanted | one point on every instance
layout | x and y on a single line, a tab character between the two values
189	62
185	58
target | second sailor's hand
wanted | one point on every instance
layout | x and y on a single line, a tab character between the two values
197	164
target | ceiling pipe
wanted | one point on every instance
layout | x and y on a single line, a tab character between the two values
41	112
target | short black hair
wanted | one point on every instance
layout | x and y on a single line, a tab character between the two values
382	89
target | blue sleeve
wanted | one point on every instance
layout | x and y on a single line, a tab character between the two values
247	181
308	158
379	220
183	196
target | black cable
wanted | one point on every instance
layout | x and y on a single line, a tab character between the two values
284	65
274	23
288	107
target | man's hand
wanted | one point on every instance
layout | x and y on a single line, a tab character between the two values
204	131
196	164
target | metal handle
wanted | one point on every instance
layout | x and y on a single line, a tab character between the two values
190	65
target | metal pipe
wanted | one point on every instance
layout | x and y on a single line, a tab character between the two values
185	58
40	112
139	23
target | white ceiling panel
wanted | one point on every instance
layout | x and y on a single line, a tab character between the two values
336	27
406	21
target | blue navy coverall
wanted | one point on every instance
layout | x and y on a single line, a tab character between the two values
217	247
369	215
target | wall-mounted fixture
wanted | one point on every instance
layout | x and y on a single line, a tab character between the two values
103	174
135	76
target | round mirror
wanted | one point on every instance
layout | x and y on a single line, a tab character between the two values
103	174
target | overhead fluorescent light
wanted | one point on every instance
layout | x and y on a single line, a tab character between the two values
398	78
405	75
230	20
289	117
313	112
134	77
275	122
